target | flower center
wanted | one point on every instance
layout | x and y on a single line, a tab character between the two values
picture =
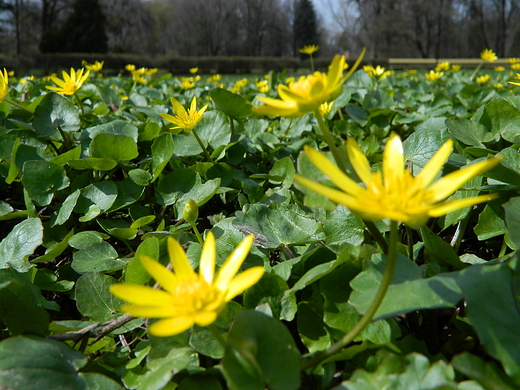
194	295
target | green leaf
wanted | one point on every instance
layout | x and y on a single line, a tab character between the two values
260	353
420	146
20	243
342	226
231	104
163	369
118	228
469	132
162	151
116	127
66	208
277	225
95	199
32	363
407	292
412	371
135	272
488	374
95	381
439	250
55	112
42	179
505	119
490	222
19	311
512	219
83	240
97	258
492	309
116	147
268	290
99	164
94	298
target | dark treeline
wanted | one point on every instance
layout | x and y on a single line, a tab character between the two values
388	28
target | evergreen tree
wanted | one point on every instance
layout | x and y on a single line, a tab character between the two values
82	32
305	26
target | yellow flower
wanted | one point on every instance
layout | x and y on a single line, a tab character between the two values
183	119
4	85
499	85
516	78
513	60
325	108
515	66
188	298
394	193
455	68
95	67
309	49
483	79
306	94
500	68
443	66
150	72
130	67
488	55
70	83
433	76
194	70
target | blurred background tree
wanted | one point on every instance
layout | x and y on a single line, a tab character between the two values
305	27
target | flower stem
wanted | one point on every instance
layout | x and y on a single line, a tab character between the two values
369	315
197	233
18	105
476	70
312	63
218	336
206	153
328	139
79	103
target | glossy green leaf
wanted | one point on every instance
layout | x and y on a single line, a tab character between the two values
162	151
116	147
41	179
505	119
163	369
260	353
492	309
469	132
231	104
55	112
100	164
277	224
20	243
439	250
135	272
97	258
512	220
32	363
94	298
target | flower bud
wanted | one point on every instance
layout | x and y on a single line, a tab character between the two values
190	212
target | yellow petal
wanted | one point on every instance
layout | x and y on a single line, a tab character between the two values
243	281
177	107
140	295
454	205
208	258
359	161
148	311
233	263
193	106
205	318
160	273
393	160
335	174
180	262
434	165
170	326
450	183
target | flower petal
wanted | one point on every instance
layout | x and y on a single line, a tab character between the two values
180	262
393	160
434	165
205	318
233	263
170	326
140	295
243	281
149	311
359	161
450	183
166	279
454	205
208	258
335	174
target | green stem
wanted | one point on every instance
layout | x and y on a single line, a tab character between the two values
410	242
18	105
79	103
218	336
503	249
202	145
476	70
369	315
376	235
197	233
65	137
312	63
328	139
